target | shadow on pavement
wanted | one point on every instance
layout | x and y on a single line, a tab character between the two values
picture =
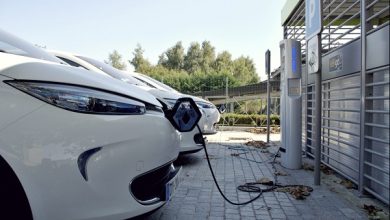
188	159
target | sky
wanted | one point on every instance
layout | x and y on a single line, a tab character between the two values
95	27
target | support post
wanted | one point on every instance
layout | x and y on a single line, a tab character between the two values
226	92
267	70
318	109
363	93
313	29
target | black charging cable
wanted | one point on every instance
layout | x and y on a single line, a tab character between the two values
248	187
251	187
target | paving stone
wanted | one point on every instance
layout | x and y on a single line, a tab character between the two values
215	218
263	217
217	213
198	198
299	217
232	216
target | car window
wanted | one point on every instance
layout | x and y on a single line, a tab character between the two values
14	45
159	83
113	72
70	62
7	48
145	82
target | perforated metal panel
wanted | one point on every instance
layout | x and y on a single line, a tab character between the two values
355	98
376	137
341	125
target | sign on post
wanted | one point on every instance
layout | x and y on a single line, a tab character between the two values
313	22
267	62
313	18
313	55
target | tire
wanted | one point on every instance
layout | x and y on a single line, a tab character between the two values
13	200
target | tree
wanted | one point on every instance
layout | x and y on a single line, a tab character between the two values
223	63
173	58
140	64
244	70
197	69
115	60
193	58
208	56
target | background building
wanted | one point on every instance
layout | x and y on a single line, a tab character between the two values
355	89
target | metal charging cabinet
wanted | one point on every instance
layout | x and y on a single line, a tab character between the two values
291	104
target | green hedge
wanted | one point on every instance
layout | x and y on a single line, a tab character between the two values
245	119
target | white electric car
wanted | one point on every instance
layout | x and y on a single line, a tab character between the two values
210	112
190	142
78	145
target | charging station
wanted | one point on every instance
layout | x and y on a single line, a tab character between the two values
291	104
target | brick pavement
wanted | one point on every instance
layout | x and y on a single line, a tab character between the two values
198	198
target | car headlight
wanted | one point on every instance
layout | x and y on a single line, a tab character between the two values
204	105
80	99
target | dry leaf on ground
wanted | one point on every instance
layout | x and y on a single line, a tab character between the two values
307	166
257	144
265	181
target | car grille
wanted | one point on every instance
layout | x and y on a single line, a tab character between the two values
149	188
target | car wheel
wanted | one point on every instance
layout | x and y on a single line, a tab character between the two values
13	200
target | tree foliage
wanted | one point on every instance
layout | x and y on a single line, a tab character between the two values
223	63
244	70
193	58
196	69
115	60
173	58
140	64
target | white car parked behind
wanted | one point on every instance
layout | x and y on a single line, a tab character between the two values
76	144
210	112
190	142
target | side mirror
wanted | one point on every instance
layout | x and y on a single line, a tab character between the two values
184	115
222	109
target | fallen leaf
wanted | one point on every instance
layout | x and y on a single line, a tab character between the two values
371	209
326	170
297	192
281	173
348	184
265	181
257	144
307	166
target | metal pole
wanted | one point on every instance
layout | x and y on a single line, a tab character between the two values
317	131
268	107
226	92
267	69
261	106
363	93
313	22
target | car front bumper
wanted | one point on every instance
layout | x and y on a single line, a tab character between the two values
44	147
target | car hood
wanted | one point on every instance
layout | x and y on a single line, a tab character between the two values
197	99
24	68
165	94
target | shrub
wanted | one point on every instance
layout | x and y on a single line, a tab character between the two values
248	119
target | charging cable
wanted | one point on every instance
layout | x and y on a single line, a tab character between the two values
250	187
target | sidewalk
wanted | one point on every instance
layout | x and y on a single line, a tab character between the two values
198	198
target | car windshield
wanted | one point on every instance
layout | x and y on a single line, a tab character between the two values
158	83
14	45
113	72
